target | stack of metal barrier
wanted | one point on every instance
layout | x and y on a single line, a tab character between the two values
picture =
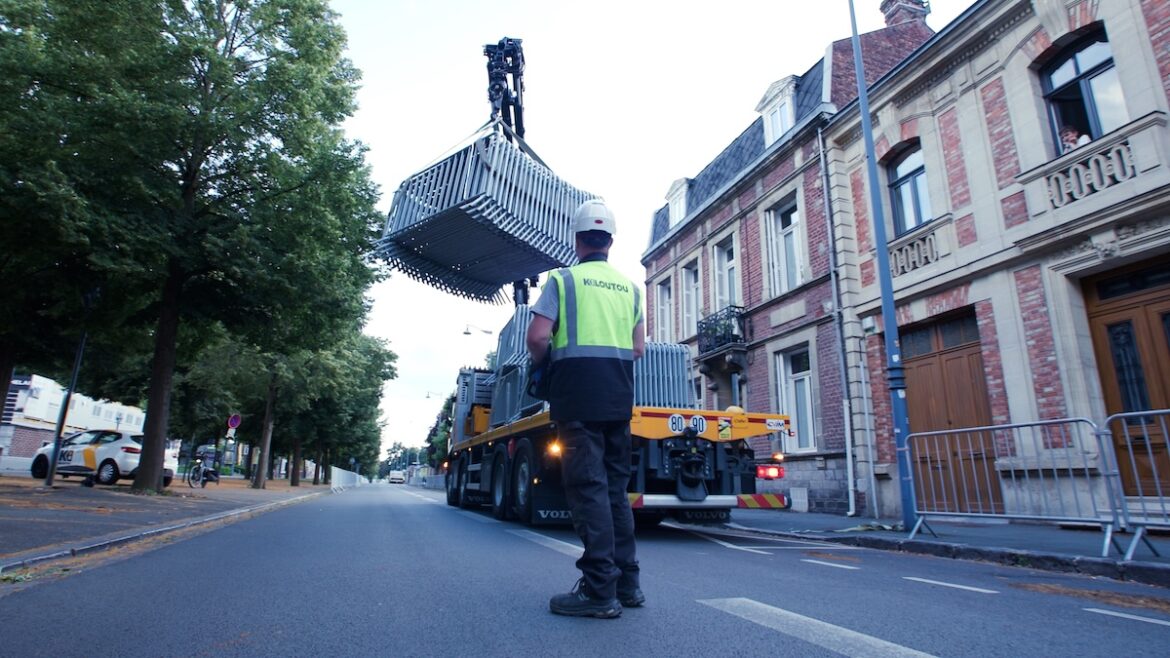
473	386
662	377
482	218
510	401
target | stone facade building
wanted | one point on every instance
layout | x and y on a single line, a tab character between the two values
741	267
1031	276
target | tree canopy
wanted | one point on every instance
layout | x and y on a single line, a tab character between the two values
186	157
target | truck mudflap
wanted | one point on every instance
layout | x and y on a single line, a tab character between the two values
749	501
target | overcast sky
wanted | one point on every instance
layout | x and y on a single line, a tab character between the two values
621	98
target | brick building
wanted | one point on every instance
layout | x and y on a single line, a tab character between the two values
741	265
1031	278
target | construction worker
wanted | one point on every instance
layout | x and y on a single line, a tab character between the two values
588	322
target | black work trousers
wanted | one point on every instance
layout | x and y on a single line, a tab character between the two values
595	467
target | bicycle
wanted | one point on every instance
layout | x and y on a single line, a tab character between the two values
199	475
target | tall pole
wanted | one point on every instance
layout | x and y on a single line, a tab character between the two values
52	472
894	370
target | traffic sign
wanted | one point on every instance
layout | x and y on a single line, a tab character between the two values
233	421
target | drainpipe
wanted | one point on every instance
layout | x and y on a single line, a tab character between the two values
838	322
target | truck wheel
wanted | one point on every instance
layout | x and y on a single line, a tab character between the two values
522	472
647	520
465	482
501	506
452	483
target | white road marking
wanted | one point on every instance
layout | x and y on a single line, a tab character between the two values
799	544
557	545
814	631
420	496
831	564
1125	616
942	584
478	517
728	544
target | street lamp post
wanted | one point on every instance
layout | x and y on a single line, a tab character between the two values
87	302
894	369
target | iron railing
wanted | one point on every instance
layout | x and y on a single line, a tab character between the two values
720	329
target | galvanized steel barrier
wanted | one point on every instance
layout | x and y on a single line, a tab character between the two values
1143	464
1054	470
1069	470
483	217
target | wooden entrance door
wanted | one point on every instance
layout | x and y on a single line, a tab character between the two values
1129	319
946	390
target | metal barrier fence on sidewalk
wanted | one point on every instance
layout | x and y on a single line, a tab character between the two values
1069	470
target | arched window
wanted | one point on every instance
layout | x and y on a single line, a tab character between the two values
1083	92
908	191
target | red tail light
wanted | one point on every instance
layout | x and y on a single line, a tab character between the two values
769	471
131	449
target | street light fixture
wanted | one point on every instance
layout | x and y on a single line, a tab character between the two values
467	330
430	393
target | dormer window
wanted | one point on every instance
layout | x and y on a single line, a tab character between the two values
778	109
676	199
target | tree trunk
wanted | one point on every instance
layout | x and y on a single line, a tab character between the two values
294	479
328	469
317	468
266	435
7	366
158	401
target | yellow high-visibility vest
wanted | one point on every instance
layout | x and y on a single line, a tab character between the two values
597	311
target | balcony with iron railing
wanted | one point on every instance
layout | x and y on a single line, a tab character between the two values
721	329
1119	167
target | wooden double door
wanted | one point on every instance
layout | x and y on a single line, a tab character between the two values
946	389
1129	319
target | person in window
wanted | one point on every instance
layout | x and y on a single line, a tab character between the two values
1071	138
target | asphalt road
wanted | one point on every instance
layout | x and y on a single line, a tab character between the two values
391	570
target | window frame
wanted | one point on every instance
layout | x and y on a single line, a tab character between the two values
789	383
691	293
912	179
1081	81
778	265
664	311
726	286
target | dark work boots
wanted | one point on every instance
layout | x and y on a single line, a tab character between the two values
578	603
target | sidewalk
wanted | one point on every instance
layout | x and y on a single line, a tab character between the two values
39	524
1033	545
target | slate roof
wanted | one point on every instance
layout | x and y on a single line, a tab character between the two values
888	46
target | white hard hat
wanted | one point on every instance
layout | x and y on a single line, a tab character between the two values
594	215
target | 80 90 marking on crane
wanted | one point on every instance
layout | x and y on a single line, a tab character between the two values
678	423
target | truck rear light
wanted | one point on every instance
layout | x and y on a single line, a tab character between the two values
769	471
554	449
131	449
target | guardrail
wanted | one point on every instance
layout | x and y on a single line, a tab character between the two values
1070	470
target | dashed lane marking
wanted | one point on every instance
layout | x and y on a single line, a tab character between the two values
478	517
557	545
940	583
1123	615
814	631
774	543
830	564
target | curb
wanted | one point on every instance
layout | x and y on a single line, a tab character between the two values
1146	573
85	548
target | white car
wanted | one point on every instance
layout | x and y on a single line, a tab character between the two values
397	477
107	455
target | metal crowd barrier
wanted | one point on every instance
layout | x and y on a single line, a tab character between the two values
1140	440
1053	470
662	377
481	218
